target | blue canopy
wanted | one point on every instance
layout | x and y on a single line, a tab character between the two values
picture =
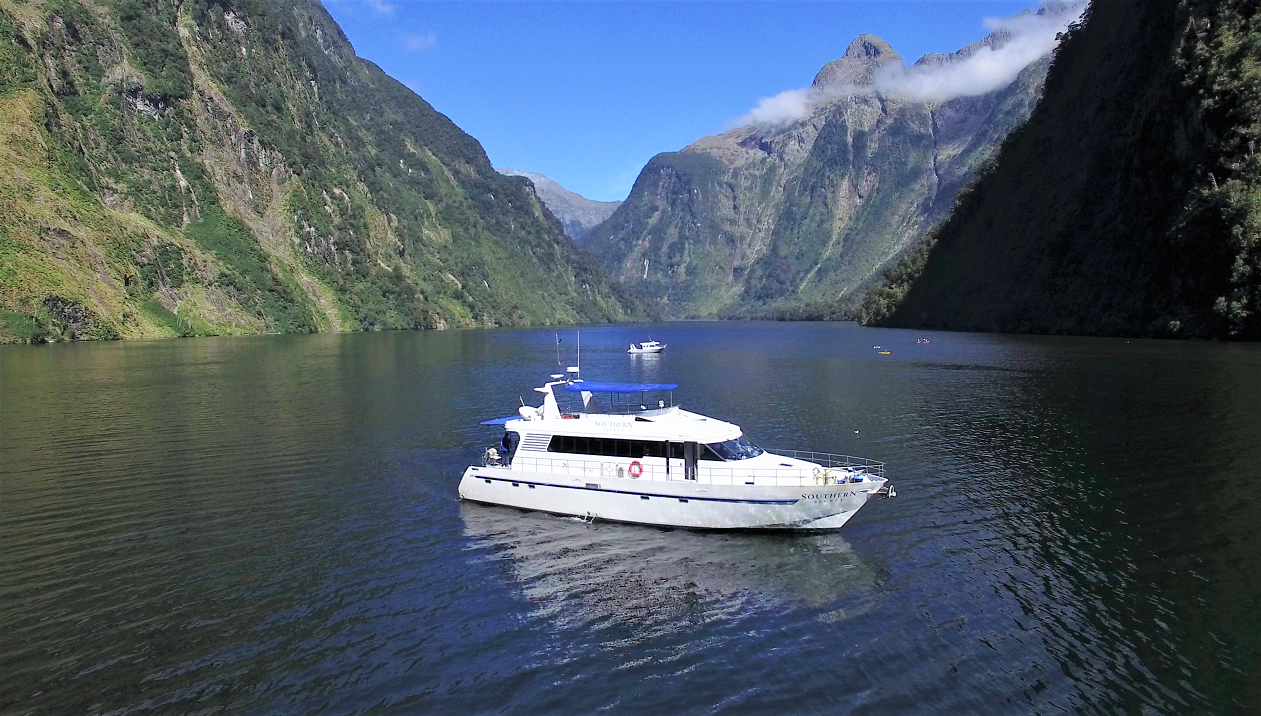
595	386
501	421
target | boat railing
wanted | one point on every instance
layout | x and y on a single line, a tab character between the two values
828	459
838	468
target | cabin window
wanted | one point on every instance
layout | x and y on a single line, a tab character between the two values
609	447
737	449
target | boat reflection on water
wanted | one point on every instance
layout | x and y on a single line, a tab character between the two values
608	574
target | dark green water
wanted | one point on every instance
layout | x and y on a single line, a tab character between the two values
270	525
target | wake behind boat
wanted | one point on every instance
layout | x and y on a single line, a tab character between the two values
624	457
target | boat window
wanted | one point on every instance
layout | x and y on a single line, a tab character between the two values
737	449
606	447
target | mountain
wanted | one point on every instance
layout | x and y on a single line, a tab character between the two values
230	166
800	210
577	213
1130	204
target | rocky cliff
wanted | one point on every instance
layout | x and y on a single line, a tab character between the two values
805	211
1130	204
576	213
187	167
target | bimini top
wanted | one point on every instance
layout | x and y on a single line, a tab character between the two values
594	386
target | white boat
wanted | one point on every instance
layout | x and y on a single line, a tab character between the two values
647	347
624	457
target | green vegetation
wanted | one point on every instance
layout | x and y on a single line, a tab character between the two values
248	276
24	328
880	302
159	314
1129	204
150	29
229	166
17	68
840	309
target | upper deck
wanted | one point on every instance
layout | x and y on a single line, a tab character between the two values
670	424
644	411
635	435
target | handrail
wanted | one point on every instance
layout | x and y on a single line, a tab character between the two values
843	467
827	459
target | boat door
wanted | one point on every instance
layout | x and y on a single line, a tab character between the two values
691	451
674	460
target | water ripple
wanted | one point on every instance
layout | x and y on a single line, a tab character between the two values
269	525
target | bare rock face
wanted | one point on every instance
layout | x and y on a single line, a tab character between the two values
856	68
808	212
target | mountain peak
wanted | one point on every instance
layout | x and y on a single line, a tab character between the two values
577	213
862	58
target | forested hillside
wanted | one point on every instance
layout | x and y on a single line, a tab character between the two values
1129	204
190	167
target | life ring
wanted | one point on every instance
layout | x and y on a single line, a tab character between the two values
636	469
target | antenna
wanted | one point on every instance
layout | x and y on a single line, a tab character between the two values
558	349
580	351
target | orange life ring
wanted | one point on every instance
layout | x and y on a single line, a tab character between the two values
636	469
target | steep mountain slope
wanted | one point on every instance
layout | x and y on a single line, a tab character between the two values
576	213
808	211
1130	204
226	166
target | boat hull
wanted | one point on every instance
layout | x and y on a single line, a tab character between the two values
678	503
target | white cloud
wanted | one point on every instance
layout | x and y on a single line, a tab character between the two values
418	43
1032	36
784	108
380	7
792	105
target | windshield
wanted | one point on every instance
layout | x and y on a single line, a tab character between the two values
738	449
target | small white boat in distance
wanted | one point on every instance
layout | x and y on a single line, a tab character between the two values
647	347
623	456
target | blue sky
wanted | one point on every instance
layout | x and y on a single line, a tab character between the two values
587	92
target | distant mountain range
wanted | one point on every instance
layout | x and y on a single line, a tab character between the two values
173	168
576	213
1130	204
802	208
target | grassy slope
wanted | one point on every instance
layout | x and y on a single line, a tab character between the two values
1130	204
151	185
